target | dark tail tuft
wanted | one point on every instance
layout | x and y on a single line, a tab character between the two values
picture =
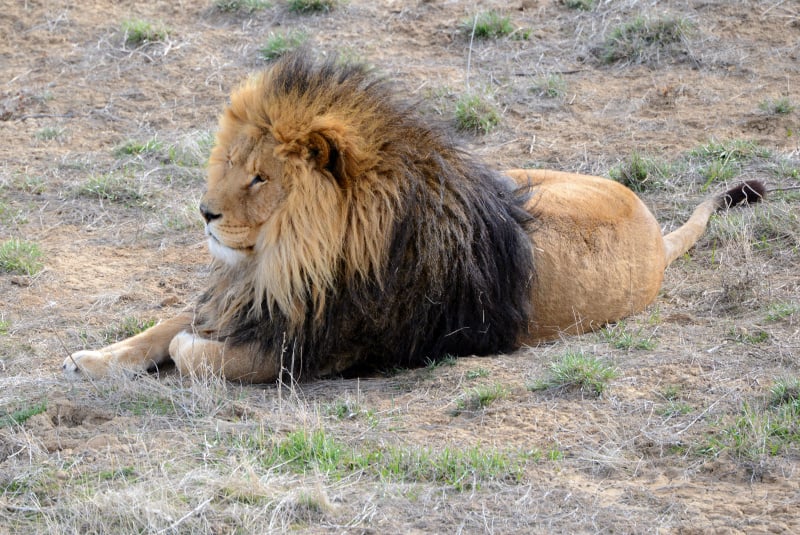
748	192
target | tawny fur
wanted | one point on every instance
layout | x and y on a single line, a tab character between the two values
348	233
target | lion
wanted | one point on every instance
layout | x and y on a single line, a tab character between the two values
347	234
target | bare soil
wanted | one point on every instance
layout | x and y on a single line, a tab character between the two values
73	91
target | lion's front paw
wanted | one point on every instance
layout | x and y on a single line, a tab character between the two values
96	364
92	363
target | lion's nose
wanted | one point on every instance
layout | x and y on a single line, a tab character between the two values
208	215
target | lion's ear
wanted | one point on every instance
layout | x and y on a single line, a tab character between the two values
327	154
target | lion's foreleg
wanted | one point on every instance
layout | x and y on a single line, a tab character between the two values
196	356
133	355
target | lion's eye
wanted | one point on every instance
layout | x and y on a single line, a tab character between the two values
258	179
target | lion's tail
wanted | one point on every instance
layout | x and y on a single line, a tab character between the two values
683	238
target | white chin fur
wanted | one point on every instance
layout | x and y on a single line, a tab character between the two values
224	254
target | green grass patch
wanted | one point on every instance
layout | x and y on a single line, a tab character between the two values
781	106
19	416
9	215
245	6
576	370
550	86
477	373
38	484
718	171
734	150
476	114
114	187
782	310
758	432
316	451
278	44
721	161
641	172
674	405
620	337
785	168
128	327
749	337
581	5
643	40
347	409
139	32
446	360
50	133
125	473
674	408
671	392
5	326
480	397
488	25
20	257
311	6
341	410
772	229
35	185
776	229
462	469
135	148
785	392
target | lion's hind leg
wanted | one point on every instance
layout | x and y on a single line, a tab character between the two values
195	356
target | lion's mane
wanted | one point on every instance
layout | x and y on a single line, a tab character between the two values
397	248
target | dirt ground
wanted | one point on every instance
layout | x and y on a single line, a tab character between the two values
73	92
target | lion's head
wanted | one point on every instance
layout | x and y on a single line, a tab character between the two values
296	182
339	217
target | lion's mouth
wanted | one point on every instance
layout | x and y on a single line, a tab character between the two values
212	236
224	252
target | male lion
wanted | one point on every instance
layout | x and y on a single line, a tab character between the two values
348	233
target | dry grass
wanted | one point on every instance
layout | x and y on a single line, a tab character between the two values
102	168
